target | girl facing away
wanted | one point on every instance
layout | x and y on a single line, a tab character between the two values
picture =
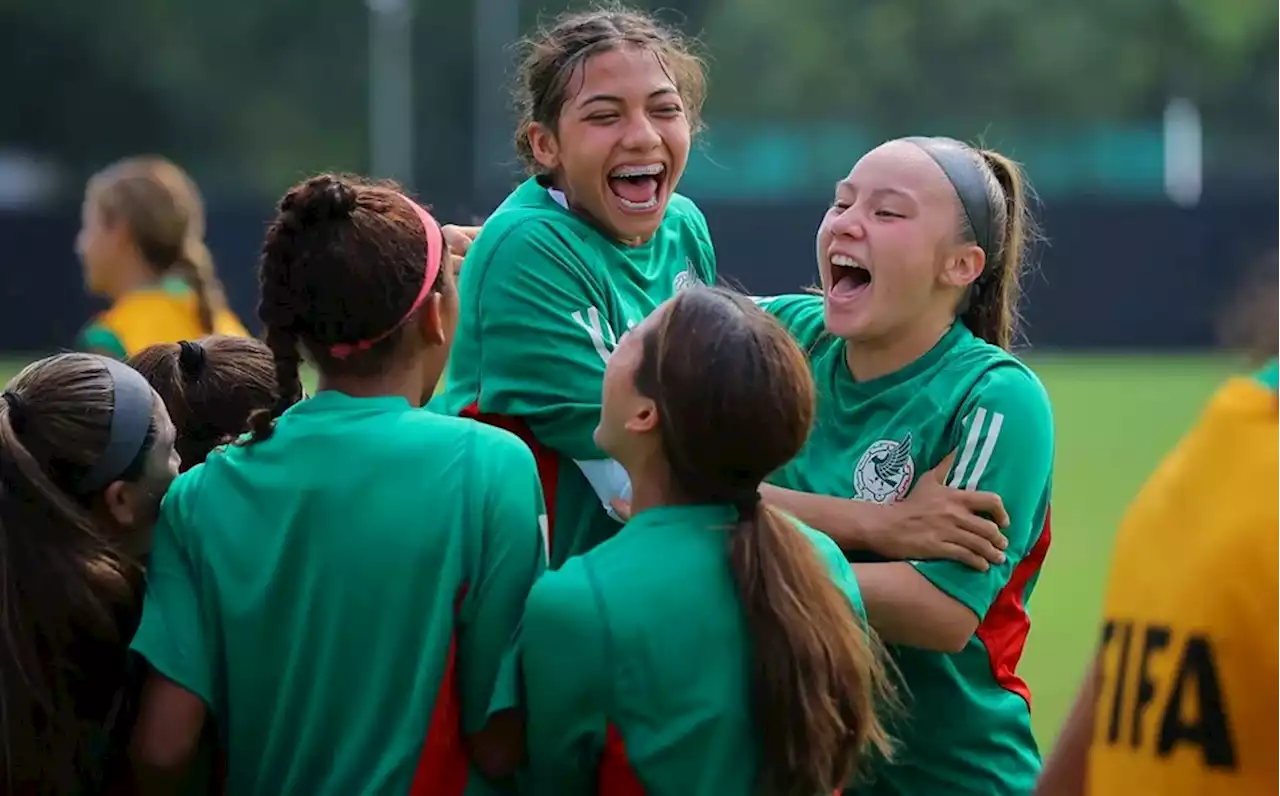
141	243
211	387
86	453
920	256
707	593
338	592
594	241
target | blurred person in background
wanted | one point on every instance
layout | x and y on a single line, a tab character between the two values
582	251
1181	696
921	255
141	243
211	388
707	594
338	592
86	453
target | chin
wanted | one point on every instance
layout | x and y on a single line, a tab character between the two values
845	325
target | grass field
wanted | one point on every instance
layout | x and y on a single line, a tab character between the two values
1116	417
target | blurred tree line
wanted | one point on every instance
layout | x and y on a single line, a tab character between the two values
251	95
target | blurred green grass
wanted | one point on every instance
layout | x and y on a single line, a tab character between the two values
1116	418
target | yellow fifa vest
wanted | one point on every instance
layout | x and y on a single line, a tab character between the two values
1190	664
165	313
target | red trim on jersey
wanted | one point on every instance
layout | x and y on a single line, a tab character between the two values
617	777
443	765
1004	630
548	461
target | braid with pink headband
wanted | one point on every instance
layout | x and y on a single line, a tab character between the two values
435	245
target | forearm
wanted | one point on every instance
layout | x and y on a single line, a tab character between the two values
853	524
1066	769
906	609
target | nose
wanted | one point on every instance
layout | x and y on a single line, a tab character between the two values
850	222
641	135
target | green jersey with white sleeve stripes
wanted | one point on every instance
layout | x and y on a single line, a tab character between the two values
873	441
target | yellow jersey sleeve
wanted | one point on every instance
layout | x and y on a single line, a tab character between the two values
1190	646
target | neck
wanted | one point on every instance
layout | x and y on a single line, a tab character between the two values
410	384
651	487
132	275
872	359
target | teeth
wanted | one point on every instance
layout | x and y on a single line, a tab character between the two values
845	261
649	170
649	205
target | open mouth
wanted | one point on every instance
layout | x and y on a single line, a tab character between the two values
638	188
848	276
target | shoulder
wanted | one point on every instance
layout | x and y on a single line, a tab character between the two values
837	566
801	314
1006	384
683	210
180	502
562	603
502	451
99	338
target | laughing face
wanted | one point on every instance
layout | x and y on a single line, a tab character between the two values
889	250
621	143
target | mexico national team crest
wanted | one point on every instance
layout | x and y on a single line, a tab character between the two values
884	473
686	278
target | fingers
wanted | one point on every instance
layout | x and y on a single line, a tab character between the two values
984	529
622	508
988	503
962	554
459	238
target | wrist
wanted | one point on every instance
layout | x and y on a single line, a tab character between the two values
870	526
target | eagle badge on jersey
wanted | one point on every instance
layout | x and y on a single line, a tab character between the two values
686	278
884	473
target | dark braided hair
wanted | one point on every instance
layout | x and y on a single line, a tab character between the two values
343	261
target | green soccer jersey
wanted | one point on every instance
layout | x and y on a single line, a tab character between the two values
636	662
968	730
341	595
545	297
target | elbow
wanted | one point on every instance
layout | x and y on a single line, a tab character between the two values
498	749
948	632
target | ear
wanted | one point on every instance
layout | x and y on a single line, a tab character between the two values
545	146
117	499
964	266
645	418
431	320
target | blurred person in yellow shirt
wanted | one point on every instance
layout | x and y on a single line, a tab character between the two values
1183	694
141	243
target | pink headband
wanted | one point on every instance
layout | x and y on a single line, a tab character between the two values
435	245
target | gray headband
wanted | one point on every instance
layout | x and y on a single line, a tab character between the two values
130	420
957	162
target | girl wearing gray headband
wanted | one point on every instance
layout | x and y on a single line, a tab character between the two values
921	407
86	453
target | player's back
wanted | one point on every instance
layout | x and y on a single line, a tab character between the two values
339	564
636	661
1189	657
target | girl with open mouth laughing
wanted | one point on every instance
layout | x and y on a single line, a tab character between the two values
589	245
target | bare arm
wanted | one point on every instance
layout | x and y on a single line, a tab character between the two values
934	522
1066	769
905	608
853	524
166	735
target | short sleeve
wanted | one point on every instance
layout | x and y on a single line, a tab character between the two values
510	557
565	681
1004	444
544	336
837	566
171	636
801	314
98	339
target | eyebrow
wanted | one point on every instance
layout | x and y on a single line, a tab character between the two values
847	187
615	98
